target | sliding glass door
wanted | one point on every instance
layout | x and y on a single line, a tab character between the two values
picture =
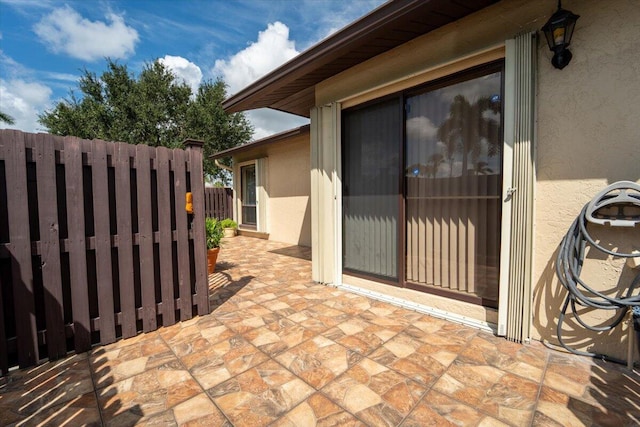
436	226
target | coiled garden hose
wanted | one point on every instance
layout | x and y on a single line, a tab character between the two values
571	258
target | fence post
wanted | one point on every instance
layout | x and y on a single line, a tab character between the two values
194	152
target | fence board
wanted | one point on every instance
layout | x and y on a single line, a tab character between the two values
213	201
125	242
50	246
20	249
77	244
199	243
182	232
218	202
145	231
4	351
165	237
103	242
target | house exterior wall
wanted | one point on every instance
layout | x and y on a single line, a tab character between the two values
289	189
286	188
586	132
587	139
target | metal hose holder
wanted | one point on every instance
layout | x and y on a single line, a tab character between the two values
617	205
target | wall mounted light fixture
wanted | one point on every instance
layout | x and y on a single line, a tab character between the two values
558	31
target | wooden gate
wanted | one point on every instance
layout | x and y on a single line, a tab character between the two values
95	243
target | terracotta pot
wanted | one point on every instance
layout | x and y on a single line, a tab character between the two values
229	232
212	256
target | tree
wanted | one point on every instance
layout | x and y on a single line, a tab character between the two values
435	160
208	122
466	127
5	118
153	109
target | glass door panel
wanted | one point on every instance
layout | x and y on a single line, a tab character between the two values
372	143
453	187
248	176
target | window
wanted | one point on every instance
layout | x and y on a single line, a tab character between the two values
248	195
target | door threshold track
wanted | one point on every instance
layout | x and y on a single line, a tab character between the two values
421	308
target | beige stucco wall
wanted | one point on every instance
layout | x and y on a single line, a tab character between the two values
588	138
587	124
287	188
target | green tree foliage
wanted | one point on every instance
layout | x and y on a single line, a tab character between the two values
153	108
207	121
465	128
5	118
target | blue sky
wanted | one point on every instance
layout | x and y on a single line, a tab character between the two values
45	44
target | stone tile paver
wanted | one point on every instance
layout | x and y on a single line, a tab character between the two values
279	350
260	395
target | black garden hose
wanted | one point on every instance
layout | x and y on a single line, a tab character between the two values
568	267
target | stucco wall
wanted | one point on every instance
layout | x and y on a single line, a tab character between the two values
588	138
289	188
587	123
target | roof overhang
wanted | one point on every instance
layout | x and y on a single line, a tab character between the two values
260	143
291	87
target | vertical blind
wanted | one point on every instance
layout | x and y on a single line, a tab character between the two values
453	187
371	188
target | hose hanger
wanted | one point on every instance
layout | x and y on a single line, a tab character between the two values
618	205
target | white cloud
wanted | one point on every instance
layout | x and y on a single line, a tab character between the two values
9	66
267	122
65	31
184	70
23	101
420	128
322	21
491	115
272	49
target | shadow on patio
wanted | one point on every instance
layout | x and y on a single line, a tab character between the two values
280	350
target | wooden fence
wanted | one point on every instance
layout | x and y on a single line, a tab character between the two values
218	203
95	243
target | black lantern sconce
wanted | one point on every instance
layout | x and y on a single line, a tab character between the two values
558	31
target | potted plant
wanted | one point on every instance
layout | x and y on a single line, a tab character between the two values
229	226
214	233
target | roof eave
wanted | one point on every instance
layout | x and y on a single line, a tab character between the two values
290	70
261	142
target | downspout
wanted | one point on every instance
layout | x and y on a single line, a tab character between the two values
221	166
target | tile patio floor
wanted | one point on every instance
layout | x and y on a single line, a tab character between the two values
279	350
